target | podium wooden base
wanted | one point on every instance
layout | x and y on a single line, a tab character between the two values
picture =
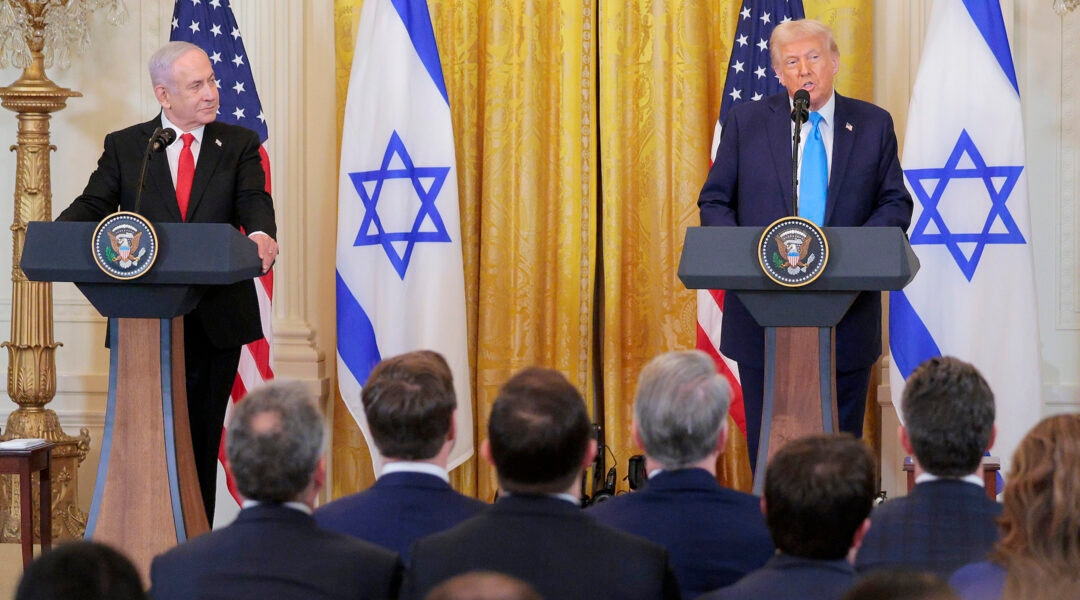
800	390
146	498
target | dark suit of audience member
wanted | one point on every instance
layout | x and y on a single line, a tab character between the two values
227	185
900	584
409	403
714	535
947	520
274	549
818	494
539	440
749	184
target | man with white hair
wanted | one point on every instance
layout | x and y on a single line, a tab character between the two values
714	535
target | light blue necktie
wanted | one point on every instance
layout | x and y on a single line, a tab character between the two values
814	183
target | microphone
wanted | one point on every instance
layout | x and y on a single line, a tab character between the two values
801	111
159	140
162	138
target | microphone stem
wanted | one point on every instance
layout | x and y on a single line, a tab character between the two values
796	138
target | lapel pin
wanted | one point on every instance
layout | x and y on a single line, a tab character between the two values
218	142
847	126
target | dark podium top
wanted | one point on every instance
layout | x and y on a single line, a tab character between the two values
190	257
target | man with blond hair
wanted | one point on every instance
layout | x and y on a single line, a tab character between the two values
853	180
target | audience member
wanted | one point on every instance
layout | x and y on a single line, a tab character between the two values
714	535
947	520
893	584
1038	555
818	494
409	402
483	585
274	549
81	571
539	440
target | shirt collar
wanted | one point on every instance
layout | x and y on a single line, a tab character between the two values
300	506
197	132
972	478
408	466
827	111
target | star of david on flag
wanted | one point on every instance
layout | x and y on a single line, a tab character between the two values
427	226
400	276
974	296
929	186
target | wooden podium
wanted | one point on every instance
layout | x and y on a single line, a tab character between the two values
146	497
800	357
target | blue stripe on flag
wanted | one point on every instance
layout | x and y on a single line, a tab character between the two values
356	342
987	17
417	21
909	340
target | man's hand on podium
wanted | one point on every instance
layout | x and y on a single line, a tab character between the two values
268	249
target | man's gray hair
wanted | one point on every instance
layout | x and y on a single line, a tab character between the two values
274	442
162	61
681	407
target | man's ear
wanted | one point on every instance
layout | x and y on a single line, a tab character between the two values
721	440
452	432
905	440
860	533
319	476
993	438
590	455
635	434
485	452
162	96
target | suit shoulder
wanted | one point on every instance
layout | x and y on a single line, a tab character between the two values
861	109
230	130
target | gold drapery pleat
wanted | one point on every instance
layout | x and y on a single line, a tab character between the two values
522	92
533	102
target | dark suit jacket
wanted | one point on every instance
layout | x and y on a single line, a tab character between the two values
550	544
398	510
272	551
750	185
714	535
787	577
940	526
229	187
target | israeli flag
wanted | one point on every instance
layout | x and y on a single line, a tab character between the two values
400	280
974	297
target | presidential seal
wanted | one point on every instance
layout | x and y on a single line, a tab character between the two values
793	251
124	245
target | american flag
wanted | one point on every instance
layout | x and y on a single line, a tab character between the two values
750	77
210	24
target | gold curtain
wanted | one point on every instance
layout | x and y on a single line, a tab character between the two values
533	103
522	92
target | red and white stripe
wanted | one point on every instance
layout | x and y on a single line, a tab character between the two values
255	368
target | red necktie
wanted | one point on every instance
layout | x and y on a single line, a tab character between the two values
185	172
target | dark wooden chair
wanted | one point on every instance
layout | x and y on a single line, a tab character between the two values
990	467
